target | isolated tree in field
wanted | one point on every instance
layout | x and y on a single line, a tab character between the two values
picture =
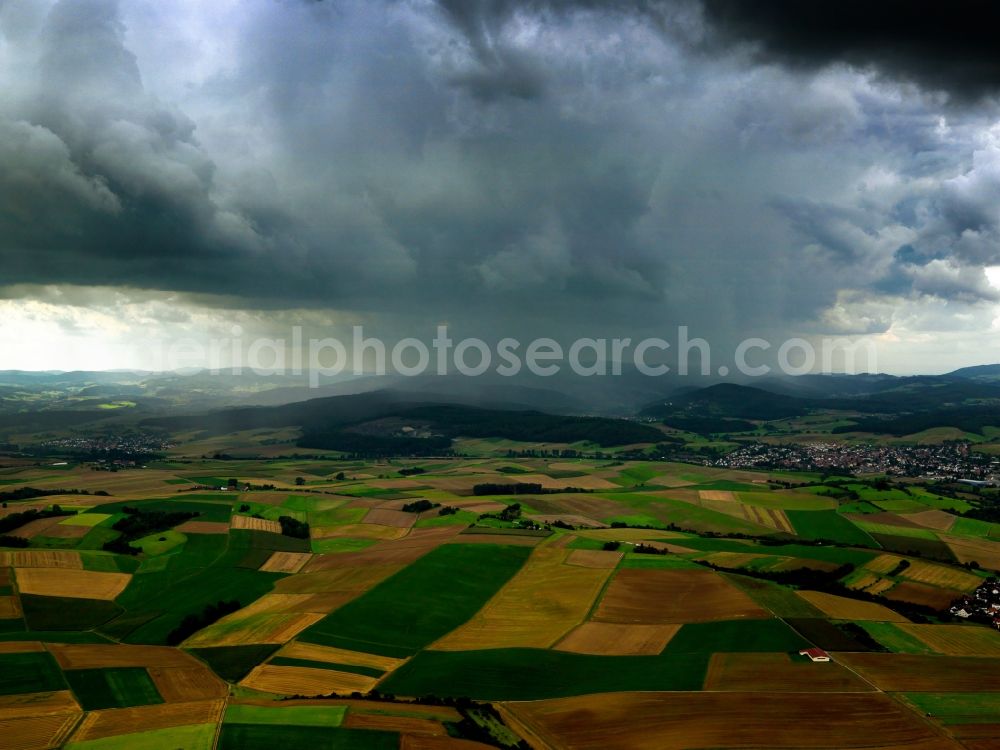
233	483
299	481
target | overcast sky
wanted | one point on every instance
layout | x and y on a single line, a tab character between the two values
171	168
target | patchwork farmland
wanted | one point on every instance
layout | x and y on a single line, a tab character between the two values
435	606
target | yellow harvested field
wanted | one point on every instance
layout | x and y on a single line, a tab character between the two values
842	608
723	495
982	551
116	721
100	655
80	584
286	562
306	681
957	640
673	596
255	524
388	723
926	572
37	732
774	518
186	684
359	531
331	655
754	673
940	575
612	639
349	580
539	605
37	558
271	604
594	558
37	704
9	608
238	629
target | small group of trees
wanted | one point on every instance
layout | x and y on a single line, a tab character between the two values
293	527
139	523
420	506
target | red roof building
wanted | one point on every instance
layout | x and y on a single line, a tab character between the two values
816	654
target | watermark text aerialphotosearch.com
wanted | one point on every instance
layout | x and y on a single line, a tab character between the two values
543	357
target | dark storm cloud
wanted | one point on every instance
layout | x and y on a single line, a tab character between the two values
564	165
950	46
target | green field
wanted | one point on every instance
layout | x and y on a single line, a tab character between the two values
534	674
65	613
112	688
421	603
958	708
292	716
269	737
896	640
32	672
828	524
190	737
233	663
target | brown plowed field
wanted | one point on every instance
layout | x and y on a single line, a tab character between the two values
689	721
425	742
185	684
594	558
36	732
36	558
673	596
386	517
742	672
919	593
37	704
9	608
116	721
99	656
918	673
203	527
409	724
21	647
611	639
